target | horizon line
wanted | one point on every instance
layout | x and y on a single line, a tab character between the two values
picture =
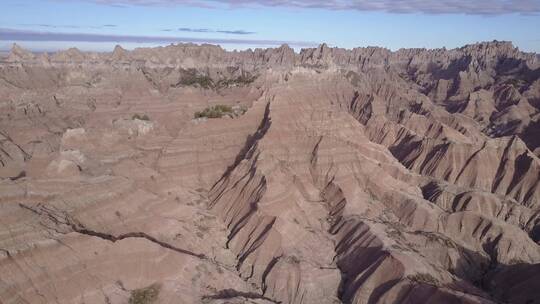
276	45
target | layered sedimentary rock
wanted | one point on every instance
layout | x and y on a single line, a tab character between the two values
346	176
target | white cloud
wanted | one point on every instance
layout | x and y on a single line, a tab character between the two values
7	34
477	7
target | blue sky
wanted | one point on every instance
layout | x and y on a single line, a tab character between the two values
240	24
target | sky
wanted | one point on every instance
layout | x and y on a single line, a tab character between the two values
98	25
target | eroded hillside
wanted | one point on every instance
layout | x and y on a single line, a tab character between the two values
188	174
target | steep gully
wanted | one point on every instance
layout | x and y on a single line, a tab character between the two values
522	162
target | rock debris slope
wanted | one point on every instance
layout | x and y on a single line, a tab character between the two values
338	176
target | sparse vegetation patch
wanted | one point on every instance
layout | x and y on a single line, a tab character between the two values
145	295
194	78
235	82
140	117
424	278
219	111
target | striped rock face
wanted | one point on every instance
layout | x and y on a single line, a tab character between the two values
188	174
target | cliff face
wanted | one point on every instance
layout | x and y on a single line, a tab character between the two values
333	176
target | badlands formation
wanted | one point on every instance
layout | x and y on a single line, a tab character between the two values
348	176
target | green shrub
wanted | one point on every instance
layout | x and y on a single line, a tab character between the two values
141	117
197	80
223	108
216	111
293	259
145	295
238	81
192	77
423	278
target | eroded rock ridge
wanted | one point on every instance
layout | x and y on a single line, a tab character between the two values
268	176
